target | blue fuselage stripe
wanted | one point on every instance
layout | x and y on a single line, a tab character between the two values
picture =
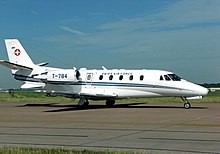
84	83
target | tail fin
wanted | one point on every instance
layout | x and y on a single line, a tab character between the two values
17	54
22	66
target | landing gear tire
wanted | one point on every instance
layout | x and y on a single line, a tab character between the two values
86	103
110	103
187	105
83	102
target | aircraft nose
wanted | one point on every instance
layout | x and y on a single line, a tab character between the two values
197	90
203	91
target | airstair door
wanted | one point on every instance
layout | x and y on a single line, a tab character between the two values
89	77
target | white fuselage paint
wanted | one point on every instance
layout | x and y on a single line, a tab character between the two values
124	84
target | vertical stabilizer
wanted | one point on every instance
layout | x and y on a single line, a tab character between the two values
17	54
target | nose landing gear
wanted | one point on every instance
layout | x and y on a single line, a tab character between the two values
187	104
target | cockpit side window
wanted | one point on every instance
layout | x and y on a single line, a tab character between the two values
167	78
161	78
174	77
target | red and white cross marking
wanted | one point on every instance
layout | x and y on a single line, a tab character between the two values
17	52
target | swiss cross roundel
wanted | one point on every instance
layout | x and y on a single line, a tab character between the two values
17	52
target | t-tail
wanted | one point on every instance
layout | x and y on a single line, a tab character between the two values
17	53
18	57
21	65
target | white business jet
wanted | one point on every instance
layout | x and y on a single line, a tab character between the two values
103	84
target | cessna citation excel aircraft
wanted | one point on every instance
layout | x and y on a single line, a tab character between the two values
103	84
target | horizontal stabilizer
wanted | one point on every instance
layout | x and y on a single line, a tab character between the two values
31	85
14	66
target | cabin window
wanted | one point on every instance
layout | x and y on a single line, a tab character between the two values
120	77
167	78
100	77
110	77
141	77
161	78
131	77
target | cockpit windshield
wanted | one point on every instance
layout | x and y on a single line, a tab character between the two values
174	77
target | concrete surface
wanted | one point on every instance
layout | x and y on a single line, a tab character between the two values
133	126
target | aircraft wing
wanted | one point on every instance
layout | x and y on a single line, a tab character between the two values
98	96
98	93
14	66
95	96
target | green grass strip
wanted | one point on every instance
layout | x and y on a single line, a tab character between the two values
26	150
29	96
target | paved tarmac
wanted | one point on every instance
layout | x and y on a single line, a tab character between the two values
133	126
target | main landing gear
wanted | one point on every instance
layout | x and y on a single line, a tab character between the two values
187	104
110	103
83	102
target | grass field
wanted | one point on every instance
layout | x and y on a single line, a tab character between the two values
22	150
28	96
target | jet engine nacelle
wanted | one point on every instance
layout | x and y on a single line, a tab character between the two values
63	75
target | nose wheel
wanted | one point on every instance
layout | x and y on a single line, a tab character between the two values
187	105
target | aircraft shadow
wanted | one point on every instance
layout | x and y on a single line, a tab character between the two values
72	107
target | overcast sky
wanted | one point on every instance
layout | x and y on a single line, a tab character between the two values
179	36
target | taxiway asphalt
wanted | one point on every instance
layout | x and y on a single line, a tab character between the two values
132	126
